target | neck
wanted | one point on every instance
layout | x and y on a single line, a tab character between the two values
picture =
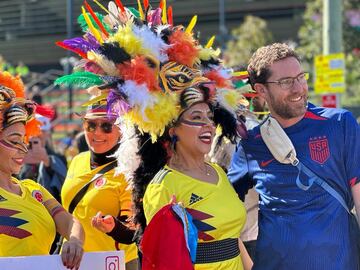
97	159
5	181
187	161
287	122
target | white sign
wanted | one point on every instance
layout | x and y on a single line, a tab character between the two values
112	260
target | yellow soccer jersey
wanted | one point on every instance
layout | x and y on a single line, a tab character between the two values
218	212
108	194
26	227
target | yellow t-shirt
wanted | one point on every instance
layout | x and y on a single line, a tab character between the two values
108	194
26	227
217	207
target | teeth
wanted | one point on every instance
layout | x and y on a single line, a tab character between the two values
295	99
206	134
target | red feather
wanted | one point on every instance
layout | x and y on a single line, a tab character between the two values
120	5
79	52
170	15
183	48
88	7
146	4
139	71
46	111
218	79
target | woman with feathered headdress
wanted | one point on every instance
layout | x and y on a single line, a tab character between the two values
169	92
38	215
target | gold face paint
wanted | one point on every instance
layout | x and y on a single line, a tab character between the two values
198	118
10	144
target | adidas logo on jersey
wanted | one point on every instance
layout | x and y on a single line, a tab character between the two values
2	198
194	198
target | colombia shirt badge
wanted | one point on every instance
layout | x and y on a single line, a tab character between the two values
100	182
37	195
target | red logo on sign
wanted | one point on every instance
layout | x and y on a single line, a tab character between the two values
319	149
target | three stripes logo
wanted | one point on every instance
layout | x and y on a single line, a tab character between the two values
194	198
9	225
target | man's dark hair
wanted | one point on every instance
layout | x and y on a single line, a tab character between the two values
264	57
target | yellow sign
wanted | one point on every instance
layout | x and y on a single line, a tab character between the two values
330	73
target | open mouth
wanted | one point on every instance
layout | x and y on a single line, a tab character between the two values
206	137
296	99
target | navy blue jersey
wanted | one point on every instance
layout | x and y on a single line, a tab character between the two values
303	229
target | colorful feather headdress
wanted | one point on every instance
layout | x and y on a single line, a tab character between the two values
142	63
14	107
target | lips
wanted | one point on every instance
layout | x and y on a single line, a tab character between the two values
18	161
206	137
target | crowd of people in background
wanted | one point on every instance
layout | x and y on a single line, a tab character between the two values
174	165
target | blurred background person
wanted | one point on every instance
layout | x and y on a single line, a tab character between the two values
108	194
39	214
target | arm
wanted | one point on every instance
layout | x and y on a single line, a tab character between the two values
245	258
71	229
352	158
355	190
117	229
238	173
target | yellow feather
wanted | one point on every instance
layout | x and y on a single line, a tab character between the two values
210	42
240	73
158	116
92	29
207	53
191	24
101	6
128	41
95	100
164	15
141	12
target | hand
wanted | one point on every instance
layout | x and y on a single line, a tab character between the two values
104	224
71	253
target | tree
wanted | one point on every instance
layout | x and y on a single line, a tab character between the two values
250	35
310	45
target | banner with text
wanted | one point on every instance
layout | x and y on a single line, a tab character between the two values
112	260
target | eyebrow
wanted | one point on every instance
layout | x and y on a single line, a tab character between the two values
290	77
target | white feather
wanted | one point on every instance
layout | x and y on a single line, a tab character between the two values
138	95
127	159
152	42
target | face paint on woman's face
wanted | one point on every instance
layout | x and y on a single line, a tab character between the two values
14	144
197	118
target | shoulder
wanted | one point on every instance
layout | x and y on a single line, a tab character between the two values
82	157
28	183
161	176
322	114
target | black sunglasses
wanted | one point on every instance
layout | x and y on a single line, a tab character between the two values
106	127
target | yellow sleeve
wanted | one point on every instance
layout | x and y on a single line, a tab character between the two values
124	198
33	187
156	196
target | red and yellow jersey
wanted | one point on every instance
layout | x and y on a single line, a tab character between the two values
26	227
216	209
109	194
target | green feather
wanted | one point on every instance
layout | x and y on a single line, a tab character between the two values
80	80
84	26
134	11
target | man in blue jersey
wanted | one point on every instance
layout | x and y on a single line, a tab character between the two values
299	229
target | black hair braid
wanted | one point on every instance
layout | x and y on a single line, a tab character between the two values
153	158
227	121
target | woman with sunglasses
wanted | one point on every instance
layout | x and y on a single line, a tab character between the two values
108	193
29	214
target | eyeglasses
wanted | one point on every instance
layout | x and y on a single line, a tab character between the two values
288	83
106	127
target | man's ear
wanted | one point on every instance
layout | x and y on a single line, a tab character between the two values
260	89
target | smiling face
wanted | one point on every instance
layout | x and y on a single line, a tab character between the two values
286	105
195	130
12	148
101	134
